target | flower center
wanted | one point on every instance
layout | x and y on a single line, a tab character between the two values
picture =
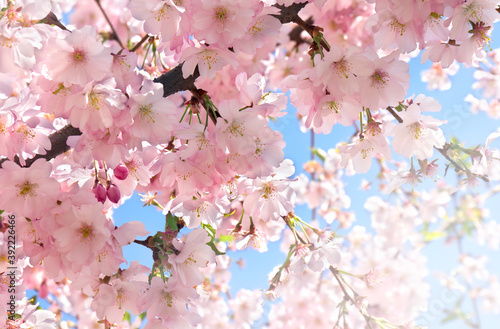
365	152
342	68
208	58
79	57
397	27
27	189
146	112
417	130
379	78
94	101
221	14
86	232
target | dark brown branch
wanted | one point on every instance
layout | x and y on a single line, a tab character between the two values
394	114
59	145
51	19
173	81
290	13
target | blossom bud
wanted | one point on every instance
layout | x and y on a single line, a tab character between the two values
120	172
113	193
99	192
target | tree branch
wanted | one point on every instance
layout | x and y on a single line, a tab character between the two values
59	145
172	82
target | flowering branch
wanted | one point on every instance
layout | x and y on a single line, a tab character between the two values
444	153
58	142
336	274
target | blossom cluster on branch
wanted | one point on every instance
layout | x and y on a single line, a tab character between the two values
174	99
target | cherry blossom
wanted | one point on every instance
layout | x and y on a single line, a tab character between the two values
191	104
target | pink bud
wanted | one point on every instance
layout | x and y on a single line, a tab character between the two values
121	172
99	192
113	193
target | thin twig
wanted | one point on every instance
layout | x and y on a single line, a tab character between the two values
144	38
443	152
335	273
115	35
394	114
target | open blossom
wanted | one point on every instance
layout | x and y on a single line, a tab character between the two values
153	115
22	43
385	82
418	134
160	16
474	11
98	107
208	59
247	306
331	110
272	198
443	53
221	21
361	152
167	300
79	58
83	233
28	192
194	253
262	27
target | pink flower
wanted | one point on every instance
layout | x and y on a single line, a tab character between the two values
79	58
385	83
261	29
98	107
154	116
443	53
331	110
208	59
418	134
167	300
221	21
364	149
83	233
21	41
272	198
474	11
437	77
193	254
160	16
28	192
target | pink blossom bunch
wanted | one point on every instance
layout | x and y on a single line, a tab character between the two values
180	100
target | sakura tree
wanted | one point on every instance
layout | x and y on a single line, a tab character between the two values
177	99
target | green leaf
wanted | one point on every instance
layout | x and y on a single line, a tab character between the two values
211	232
171	222
127	317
